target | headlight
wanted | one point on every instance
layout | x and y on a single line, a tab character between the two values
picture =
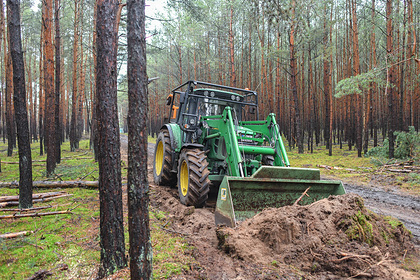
238	98
206	93
212	94
232	97
192	121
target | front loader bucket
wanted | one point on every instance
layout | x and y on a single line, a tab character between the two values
270	186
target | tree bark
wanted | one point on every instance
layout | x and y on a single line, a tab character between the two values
391	77
74	141
10	120
49	89
110	192
293	83
19	98
57	82
356	69
138	186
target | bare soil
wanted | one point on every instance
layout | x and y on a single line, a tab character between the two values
292	242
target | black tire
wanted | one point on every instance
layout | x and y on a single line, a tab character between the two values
267	160
162	166
193	177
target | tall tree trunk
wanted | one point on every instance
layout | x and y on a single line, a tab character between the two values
19	98
391	77
41	89
110	193
231	49
10	119
74	141
293	83
49	89
327	85
138	186
356	70
57	82
93	135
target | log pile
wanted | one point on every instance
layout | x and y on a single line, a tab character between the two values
402	167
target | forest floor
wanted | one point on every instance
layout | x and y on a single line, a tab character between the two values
336	238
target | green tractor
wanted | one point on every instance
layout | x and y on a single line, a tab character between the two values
210	143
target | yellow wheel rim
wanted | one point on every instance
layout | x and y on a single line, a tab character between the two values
184	178
159	158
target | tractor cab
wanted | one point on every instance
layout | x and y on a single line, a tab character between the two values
190	102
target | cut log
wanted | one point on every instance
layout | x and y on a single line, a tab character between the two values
14	216
15	234
400	170
34	196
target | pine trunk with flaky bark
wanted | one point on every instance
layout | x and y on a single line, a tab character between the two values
356	71
10	116
109	158
57	82
138	186
49	89
391	77
74	140
293	82
19	98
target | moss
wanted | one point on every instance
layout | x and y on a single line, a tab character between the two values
393	222
361	228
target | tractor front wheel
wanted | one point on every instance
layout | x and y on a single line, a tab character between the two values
193	177
162	174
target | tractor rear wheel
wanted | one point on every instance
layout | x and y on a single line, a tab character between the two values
193	177
162	174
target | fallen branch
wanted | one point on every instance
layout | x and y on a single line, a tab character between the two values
27	209
16	203
14	162
41	274
55	184
35	214
87	175
299	199
15	234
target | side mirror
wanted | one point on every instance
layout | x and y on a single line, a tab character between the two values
169	99
252	110
182	97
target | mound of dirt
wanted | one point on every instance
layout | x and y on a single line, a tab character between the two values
333	237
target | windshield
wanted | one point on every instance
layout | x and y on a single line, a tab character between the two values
208	107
